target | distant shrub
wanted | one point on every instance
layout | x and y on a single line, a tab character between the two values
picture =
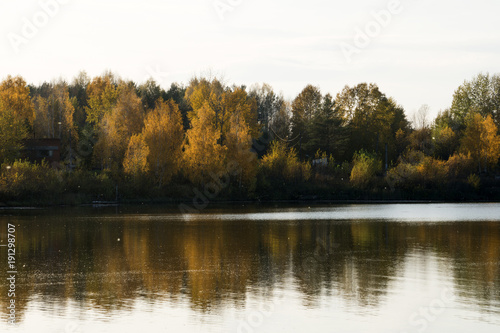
432	172
365	167
282	163
275	159
97	185
417	170
460	166
402	175
23	180
306	171
474	181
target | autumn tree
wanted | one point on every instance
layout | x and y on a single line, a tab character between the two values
135	162
239	151
482	141
163	134
223	103
115	129
460	166
201	91
16	116
232	113
237	102
204	157
15	97
102	94
177	93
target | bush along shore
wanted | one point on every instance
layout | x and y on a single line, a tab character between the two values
30	184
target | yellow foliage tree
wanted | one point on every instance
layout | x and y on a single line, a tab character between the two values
163	133
116	128
491	137
460	165
135	162
16	116
201	91
432	171
239	145
15	98
223	102
237	102
482	141
203	156
102	96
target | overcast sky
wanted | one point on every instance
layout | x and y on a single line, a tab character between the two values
419	54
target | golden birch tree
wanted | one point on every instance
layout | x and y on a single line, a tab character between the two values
224	102
482	141
135	162
203	155
102	95
16	116
239	145
163	134
116	128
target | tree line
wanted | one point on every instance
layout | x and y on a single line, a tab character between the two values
247	142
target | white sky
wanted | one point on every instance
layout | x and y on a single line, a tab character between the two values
420	57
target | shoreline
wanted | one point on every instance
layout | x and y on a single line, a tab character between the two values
176	203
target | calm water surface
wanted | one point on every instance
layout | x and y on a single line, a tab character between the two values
348	268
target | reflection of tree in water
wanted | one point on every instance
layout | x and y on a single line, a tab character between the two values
474	253
354	260
107	264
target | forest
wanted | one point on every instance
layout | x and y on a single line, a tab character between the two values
212	141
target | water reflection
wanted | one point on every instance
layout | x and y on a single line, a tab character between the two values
106	264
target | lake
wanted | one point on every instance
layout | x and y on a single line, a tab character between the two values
254	268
